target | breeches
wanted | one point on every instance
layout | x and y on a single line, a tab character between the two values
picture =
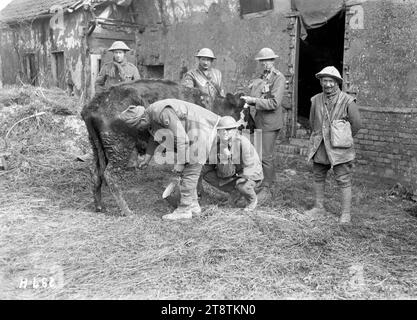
268	148
342	172
246	188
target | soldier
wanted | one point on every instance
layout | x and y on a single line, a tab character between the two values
204	77
266	93
238	169
332	104
118	70
192	129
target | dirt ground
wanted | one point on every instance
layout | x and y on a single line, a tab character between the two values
53	246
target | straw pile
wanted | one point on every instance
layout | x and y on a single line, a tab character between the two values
49	232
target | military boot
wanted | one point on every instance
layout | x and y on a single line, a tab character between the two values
195	208
247	190
346	204
318	208
200	188
179	213
264	194
236	199
252	205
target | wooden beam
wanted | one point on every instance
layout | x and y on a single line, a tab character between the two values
113	35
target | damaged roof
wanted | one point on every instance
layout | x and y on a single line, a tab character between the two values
29	9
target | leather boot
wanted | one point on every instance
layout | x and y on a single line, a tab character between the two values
247	190
346	204
200	189
179	213
236	199
195	208
264	193
318	208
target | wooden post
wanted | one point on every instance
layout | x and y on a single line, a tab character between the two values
1	74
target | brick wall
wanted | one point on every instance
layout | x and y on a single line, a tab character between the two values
387	144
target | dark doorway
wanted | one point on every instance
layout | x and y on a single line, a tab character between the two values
154	71
59	65
30	69
322	47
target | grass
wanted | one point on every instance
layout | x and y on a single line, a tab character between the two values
48	230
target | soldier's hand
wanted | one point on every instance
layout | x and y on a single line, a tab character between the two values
143	165
248	99
178	168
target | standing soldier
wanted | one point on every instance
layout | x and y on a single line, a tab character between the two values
332	104
118	70
205	77
265	108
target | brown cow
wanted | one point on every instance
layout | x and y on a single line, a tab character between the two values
113	141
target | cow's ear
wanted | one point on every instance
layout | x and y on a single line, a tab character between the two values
239	102
239	94
230	98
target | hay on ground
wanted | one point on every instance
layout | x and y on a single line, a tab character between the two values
48	231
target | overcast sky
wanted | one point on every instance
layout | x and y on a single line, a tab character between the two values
4	3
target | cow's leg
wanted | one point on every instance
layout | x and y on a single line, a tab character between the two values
98	164
97	180
115	190
117	150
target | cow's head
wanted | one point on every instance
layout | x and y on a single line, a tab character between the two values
232	105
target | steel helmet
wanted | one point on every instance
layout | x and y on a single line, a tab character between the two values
266	53
119	45
205	52
228	122
132	114
330	72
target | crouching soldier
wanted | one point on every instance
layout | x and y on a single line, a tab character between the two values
186	126
326	107
234	165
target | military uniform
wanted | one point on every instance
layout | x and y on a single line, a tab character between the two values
267	114
325	108
209	82
323	154
194	130
247	173
113	73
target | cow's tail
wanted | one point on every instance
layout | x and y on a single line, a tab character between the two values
96	144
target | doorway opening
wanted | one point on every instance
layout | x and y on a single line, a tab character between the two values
58	69
31	71
323	46
154	71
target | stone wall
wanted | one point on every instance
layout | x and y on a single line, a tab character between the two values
387	145
383	68
180	28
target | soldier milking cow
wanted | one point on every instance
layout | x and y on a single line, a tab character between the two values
130	116
113	138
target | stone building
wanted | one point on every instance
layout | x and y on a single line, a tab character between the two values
62	43
371	42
